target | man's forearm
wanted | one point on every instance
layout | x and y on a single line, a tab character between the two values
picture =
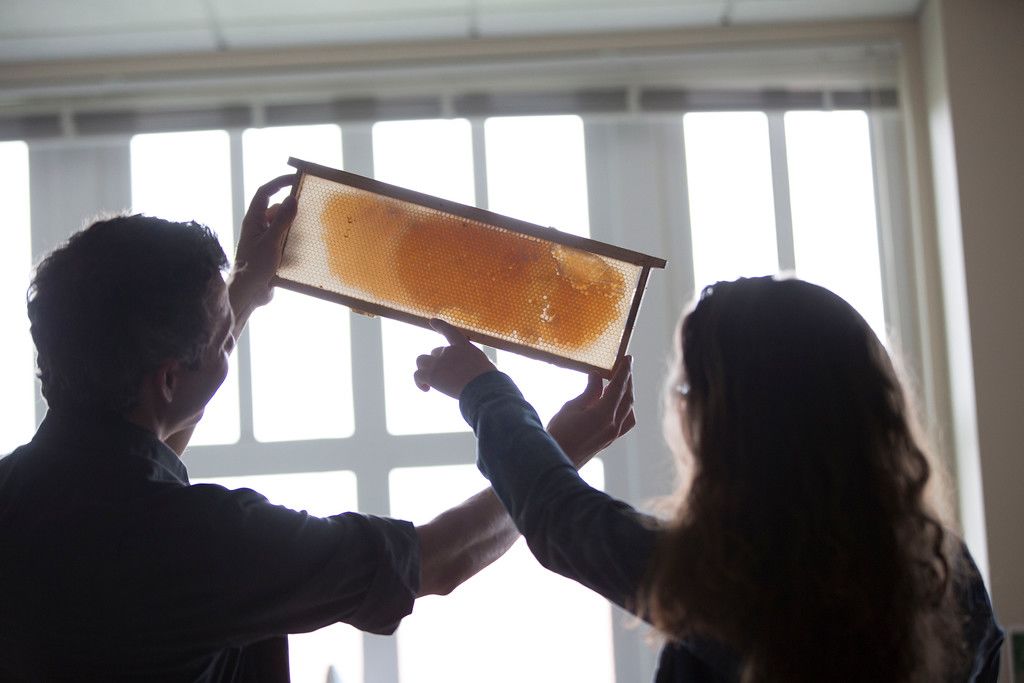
243	295
461	541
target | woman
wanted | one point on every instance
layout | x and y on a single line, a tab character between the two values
803	546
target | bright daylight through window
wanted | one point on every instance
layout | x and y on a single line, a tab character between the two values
832	191
182	177
732	211
300	346
551	193
470	630
435	157
17	391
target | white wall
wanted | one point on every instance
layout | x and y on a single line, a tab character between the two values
973	53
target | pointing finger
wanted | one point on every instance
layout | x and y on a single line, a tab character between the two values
450	332
420	378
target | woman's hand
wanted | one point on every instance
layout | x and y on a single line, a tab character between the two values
450	368
590	422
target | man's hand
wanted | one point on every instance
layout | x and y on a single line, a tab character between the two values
259	248
593	420
450	368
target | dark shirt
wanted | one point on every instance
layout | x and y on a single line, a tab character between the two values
113	566
606	545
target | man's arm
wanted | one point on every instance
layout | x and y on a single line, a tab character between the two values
257	256
460	542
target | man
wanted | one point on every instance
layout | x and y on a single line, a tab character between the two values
111	564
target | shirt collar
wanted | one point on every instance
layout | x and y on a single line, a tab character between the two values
107	435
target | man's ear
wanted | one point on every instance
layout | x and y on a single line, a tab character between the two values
164	380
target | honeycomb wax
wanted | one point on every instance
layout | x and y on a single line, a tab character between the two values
476	276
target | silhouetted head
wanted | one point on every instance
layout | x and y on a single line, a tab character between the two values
118	299
804	539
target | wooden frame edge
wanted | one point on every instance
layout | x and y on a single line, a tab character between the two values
475	214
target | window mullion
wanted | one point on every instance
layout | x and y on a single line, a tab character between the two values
479	162
780	190
479	144
242	349
367	355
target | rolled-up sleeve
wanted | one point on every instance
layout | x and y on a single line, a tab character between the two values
571	528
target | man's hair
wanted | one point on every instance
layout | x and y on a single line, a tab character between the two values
804	541
119	298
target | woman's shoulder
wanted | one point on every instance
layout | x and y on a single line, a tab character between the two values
983	637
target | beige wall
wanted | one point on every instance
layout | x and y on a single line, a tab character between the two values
973	54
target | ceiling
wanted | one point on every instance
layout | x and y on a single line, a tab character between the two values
55	30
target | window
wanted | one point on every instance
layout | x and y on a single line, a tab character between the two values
17	391
184	177
300	346
764	188
831	202
732	211
537	172
832	194
436	157
513	606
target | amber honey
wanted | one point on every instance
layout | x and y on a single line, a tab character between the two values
513	285
477	276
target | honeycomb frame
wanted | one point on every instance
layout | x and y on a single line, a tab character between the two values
615	276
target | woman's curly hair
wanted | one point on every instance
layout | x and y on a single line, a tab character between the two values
804	540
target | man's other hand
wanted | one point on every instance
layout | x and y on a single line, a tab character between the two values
593	420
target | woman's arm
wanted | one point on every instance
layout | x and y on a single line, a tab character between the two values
460	542
572	528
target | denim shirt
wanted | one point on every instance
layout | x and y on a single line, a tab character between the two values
606	545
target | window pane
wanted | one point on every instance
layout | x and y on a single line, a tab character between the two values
732	209
436	157
338	646
300	345
831	182
537	171
17	391
184	177
514	602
